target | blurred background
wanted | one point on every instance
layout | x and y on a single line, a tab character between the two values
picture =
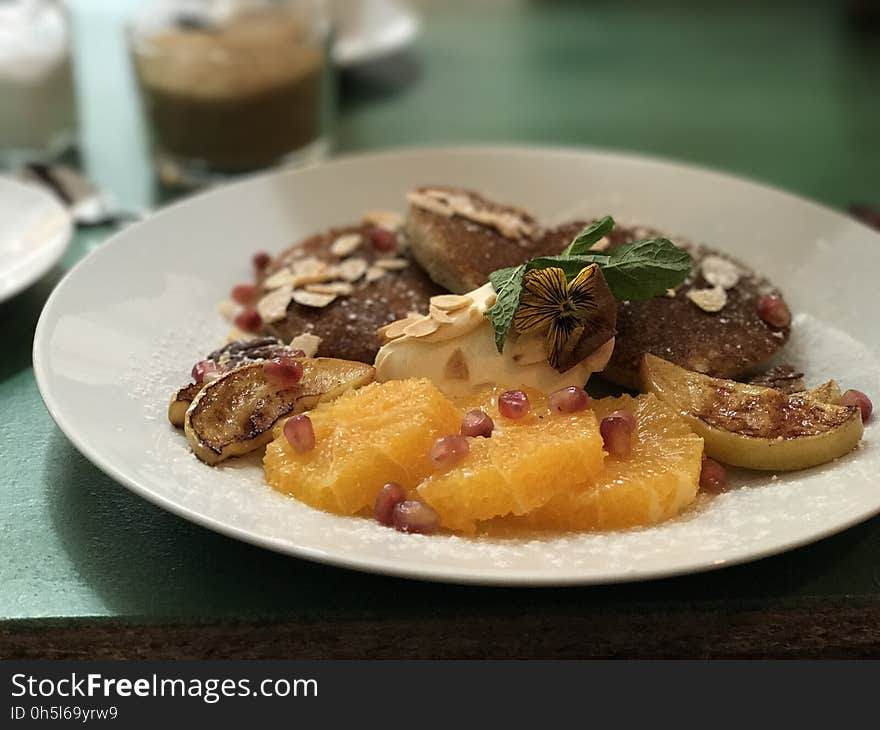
151	98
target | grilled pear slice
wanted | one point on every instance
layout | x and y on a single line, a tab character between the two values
756	427
234	414
181	402
230	356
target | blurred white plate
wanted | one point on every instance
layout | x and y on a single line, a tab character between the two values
369	29
34	232
122	330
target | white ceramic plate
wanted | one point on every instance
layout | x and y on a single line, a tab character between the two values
370	29
121	332
34	232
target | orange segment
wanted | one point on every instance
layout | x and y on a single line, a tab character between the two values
658	479
380	433
519	468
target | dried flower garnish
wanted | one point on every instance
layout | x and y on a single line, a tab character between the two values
637	271
568	312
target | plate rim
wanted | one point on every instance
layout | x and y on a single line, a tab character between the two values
424	571
54	252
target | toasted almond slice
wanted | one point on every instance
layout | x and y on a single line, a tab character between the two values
670	293
306	342
374	273
311	299
440	315
273	306
312	271
352	269
427	202
228	309
395	264
346	245
341	288
395	329
421	328
387	219
719	271
709	300
451	302
282	277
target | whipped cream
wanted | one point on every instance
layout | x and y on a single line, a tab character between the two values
456	350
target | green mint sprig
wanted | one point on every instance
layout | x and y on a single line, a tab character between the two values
638	271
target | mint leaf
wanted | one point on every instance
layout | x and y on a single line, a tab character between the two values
637	271
508	284
645	269
587	237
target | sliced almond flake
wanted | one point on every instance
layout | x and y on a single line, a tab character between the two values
229	310
395	329
273	306
342	288
426	202
374	273
421	328
282	277
670	293
311	299
508	223
719	271
306	342
451	302
387	219
352	269
395	264
601	245
312	271
709	300
440	316
346	245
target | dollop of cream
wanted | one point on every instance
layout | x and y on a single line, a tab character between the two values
455	349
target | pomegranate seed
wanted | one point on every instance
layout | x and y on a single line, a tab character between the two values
243	293
249	320
283	371
713	476
477	423
625	415
202	368
261	260
616	435
300	433
859	399
513	404
383	240
569	400
392	494
449	450
774	311
414	516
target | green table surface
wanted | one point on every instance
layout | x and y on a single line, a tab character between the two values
782	92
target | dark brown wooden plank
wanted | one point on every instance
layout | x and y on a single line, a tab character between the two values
849	629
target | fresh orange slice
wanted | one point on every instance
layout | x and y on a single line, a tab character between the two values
522	466
364	439
656	481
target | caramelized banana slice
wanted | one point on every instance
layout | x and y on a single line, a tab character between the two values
756	427
234	414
